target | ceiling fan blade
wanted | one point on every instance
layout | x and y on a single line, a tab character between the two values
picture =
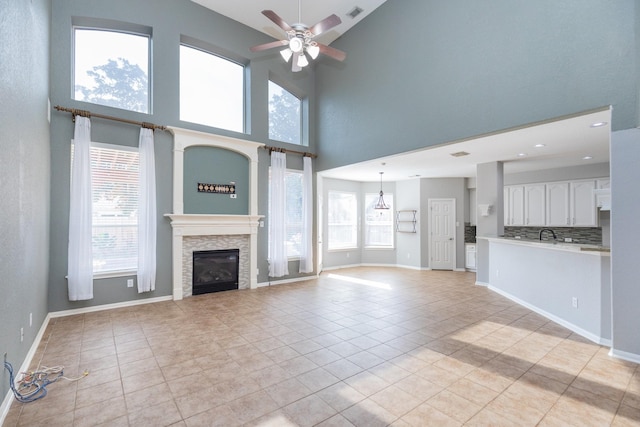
326	24
294	62
270	45
336	54
277	20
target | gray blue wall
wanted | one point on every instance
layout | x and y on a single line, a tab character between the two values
625	205
169	20
426	72
24	176
210	165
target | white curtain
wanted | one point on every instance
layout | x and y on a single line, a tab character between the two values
306	245
147	213
278	262
80	257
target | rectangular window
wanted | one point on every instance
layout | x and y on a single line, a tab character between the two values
293	184
111	68
211	90
342	224
285	115
114	192
378	225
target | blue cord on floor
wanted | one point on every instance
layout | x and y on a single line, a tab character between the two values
35	383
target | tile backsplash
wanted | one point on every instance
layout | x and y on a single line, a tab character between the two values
469	233
584	235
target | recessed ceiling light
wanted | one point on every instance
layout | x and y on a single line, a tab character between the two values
587	158
598	124
522	154
539	145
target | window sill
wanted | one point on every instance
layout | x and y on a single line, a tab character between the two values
379	248
112	274
343	249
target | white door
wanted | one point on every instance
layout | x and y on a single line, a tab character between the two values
442	234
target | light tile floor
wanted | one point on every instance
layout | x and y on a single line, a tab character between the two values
362	346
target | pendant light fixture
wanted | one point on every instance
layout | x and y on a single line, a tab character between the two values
381	204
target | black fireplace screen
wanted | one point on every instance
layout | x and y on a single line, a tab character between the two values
215	271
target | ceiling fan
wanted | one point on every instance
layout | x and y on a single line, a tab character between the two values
300	41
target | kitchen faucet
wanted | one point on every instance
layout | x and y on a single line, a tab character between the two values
549	230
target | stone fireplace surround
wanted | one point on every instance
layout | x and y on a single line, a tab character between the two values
210	232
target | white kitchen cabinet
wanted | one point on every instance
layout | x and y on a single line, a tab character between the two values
470	256
514	202
558	213
582	203
534	205
603	183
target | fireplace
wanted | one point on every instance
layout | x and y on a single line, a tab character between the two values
211	231
215	271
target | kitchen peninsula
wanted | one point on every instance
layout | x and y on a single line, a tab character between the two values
567	283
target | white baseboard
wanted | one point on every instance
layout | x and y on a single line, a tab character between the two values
109	306
8	399
574	328
340	267
629	357
6	403
485	284
285	281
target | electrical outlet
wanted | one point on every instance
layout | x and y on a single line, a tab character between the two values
497	273
574	302
257	271
408	255
233	196
568	239
129	283
21	334
30	319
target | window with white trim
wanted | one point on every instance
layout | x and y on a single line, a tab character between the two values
378	223
285	115
342	224
293	209
114	192
111	67
211	89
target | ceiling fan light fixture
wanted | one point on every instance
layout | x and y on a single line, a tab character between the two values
302	60
313	51
286	54
296	45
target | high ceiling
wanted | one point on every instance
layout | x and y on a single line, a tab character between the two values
249	12
567	140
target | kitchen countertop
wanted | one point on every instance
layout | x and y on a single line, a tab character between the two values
547	244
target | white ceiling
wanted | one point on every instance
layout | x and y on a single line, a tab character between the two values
249	12
567	140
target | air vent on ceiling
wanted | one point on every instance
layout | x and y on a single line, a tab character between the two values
460	154
355	12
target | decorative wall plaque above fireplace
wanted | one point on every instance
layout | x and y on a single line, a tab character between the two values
215	271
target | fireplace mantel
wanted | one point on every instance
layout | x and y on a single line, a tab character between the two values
214	225
194	225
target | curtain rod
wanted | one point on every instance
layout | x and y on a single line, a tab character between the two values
84	113
284	150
